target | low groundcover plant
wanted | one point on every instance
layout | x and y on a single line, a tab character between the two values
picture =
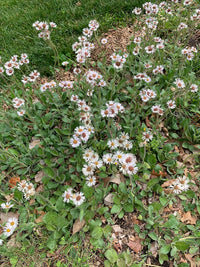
126	118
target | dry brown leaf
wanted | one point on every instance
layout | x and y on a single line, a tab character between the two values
78	225
117	228
116	179
168	183
187	218
135	245
192	262
148	123
38	176
108	200
39	219
106	181
13	181
40	188
12	242
117	246
160	173
154	249
34	143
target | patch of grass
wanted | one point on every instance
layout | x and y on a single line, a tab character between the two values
18	35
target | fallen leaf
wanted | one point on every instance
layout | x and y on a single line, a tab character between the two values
192	262
13	181
154	249
38	176
12	242
117	246
117	228
148	122
135	245
160	173
187	218
116	179
78	225
40	188
39	219
168	183
34	143
108	200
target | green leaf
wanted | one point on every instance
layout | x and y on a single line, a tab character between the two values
13	151
123	188
153	182
97	232
51	244
163	201
153	236
88	191
121	214
182	246
111	255
162	258
165	249
18	195
128	207
49	171
171	223
54	220
116	208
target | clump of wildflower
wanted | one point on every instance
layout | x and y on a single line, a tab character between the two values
47	85
157	109
180	184
10	226
113	108
118	60
27	188
147	94
143	77
43	27
76	198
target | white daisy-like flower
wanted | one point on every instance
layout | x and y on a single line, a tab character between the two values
75	141
194	88
147	136
112	144
8	231
22	185
171	104
90	181
65	63
88	170
127	145
183	183
108	158
179	83
6	205
67	195
78	198
21	112
12	222
97	163
104	41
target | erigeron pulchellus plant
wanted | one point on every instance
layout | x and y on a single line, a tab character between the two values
101	124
